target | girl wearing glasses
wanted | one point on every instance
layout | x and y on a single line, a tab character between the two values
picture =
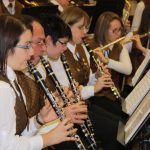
17	131
79	62
108	29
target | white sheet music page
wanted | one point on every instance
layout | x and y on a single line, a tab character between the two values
137	118
141	68
137	95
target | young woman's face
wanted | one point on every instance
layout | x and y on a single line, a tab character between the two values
114	32
23	52
79	31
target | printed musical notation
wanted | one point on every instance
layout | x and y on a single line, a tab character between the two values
137	118
137	95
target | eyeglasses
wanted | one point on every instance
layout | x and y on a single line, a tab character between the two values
26	46
114	31
63	43
40	43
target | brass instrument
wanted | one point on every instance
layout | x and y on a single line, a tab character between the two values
52	100
32	3
28	3
123	40
126	11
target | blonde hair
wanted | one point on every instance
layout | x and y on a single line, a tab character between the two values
72	15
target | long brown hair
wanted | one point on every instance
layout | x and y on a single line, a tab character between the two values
10	32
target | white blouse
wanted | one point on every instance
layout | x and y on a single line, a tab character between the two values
8	139
137	16
124	65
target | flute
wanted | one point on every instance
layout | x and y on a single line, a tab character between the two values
123	40
52	100
66	101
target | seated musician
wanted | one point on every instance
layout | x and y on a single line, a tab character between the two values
12	7
17	130
39	47
57	41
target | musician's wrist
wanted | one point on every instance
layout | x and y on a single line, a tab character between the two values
39	119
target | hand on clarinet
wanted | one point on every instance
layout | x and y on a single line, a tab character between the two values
62	132
104	81
77	112
47	113
101	56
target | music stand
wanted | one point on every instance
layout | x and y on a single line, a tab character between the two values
38	11
126	132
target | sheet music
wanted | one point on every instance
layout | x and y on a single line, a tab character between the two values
141	68
136	96
137	118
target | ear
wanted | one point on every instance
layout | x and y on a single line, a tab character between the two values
48	40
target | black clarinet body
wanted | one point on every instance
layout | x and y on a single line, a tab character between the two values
101	71
77	95
66	100
52	100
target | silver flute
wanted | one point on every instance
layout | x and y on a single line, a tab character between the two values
52	100
50	73
76	93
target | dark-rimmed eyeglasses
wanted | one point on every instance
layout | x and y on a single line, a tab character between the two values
63	43
40	43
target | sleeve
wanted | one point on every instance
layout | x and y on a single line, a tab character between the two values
87	92
8	139
137	16
128	45
124	65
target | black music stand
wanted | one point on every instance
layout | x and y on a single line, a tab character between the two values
38	11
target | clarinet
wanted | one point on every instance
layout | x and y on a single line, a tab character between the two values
66	101
52	100
76	92
100	69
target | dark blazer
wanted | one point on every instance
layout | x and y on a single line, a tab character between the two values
18	8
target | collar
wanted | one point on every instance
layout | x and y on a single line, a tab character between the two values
6	3
71	47
60	8
11	74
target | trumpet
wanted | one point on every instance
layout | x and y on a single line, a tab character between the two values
123	40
